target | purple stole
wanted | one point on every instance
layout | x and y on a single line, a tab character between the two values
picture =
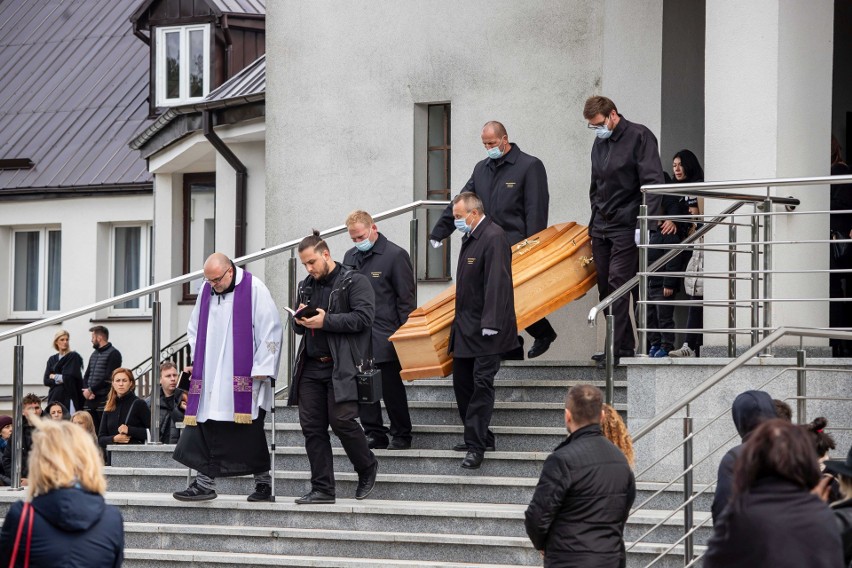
243	353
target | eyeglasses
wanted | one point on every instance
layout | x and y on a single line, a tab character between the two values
215	281
596	126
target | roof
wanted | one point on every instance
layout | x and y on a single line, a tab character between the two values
247	86
74	90
219	8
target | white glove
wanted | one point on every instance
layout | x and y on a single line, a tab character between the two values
487	331
57	378
636	237
436	244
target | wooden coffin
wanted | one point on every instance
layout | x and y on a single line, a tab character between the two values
549	269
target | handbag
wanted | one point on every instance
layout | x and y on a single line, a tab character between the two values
27	511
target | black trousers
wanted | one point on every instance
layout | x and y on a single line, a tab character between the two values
396	405
660	316
95	407
318	411
695	320
617	261
541	328
473	383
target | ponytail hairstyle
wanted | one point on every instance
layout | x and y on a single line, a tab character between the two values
822	440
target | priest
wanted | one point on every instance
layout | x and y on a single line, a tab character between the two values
235	334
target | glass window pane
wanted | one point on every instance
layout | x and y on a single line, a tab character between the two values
202	226
196	63
54	269
25	296
172	65
437	171
436	258
436	125
127	263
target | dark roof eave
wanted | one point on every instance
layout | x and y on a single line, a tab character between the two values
165	118
33	193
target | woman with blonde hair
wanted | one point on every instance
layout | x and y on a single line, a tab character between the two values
63	515
615	431
83	419
126	417
64	374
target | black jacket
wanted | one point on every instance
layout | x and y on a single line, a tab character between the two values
347	326
778	524
485	298
843	515
102	363
26	445
71	388
581	503
748	411
672	205
170	415
388	268
72	528
513	190
130	410
621	165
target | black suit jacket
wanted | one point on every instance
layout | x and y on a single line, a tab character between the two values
485	297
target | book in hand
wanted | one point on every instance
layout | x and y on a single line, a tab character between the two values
183	381
304	312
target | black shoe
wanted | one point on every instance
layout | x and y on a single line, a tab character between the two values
617	360
366	481
463	447
399	444
472	460
516	354
377	443
262	492
598	357
540	346
315	498
194	493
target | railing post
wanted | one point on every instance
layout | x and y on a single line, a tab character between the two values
688	516
643	281
17	413
156	317
767	275
609	354
755	279
414	248
732	291
293	297
801	388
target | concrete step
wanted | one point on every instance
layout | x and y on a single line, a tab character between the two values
520	389
670	531
380	545
578	371
433	462
540	414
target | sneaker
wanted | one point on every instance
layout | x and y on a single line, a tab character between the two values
262	492
194	493
652	352
685	351
660	353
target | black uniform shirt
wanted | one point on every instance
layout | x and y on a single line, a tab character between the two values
513	190
316	341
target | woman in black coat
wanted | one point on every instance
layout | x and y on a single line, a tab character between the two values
126	417
64	373
773	519
71	523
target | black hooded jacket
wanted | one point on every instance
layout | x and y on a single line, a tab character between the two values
72	527
749	409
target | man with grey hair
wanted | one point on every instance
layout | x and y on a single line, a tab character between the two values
484	325
513	188
583	497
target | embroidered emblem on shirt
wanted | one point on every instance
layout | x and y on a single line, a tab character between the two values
376	274
272	347
242	384
471	259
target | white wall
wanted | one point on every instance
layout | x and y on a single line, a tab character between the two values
344	81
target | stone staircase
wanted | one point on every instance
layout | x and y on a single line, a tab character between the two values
425	510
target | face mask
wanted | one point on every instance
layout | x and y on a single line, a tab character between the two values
365	245
602	131
461	225
495	152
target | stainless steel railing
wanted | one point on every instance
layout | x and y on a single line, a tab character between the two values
153	290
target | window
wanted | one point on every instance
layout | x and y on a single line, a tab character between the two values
132	265
199	225
437	185
183	64
36	270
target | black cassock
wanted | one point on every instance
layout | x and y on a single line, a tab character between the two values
484	294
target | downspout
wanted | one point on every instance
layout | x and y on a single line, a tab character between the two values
242	177
229	46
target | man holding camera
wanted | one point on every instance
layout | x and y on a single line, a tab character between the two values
334	318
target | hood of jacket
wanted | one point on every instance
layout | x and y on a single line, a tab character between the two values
70	509
750	409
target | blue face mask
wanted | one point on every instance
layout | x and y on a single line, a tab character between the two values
603	132
365	245
495	152
462	225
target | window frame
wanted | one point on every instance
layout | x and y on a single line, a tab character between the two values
444	193
43	276
146	259
188	295
160	65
